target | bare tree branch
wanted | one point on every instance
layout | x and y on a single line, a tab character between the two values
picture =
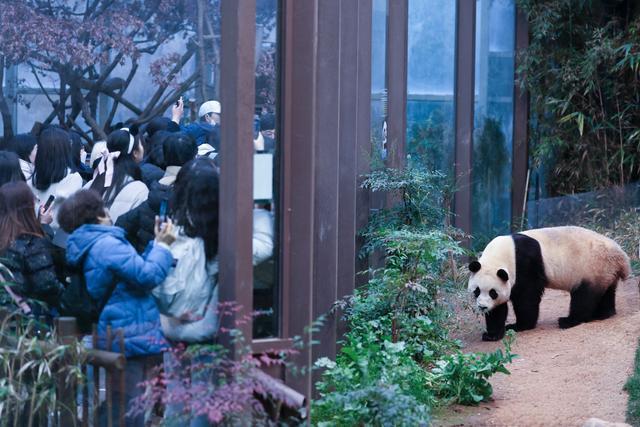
158	95
98	133
169	100
114	108
42	88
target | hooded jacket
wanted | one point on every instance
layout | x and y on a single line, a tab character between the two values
203	133
108	258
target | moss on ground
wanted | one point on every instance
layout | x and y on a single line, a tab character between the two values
633	388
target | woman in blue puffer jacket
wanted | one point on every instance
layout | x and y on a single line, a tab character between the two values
116	273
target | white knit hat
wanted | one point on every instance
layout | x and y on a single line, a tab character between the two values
209	107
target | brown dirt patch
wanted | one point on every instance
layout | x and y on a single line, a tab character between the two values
561	377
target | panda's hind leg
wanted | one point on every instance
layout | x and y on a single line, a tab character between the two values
584	301
607	305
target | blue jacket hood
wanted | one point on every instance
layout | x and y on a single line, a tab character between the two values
83	239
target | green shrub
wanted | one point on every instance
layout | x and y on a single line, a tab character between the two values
397	361
463	378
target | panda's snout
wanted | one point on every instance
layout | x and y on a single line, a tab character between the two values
483	308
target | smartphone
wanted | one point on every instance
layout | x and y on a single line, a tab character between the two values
50	200
163	211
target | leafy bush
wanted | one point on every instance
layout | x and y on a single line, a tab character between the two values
202	380
32	364
463	378
397	361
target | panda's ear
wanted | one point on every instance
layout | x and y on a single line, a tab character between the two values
474	267
502	274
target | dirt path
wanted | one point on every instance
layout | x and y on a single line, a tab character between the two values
561	377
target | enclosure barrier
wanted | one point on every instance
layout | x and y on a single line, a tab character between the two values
87	401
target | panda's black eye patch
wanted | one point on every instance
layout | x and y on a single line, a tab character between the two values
476	292
493	294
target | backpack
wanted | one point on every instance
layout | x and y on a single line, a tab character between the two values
188	288
76	301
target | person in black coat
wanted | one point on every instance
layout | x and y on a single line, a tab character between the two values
24	248
178	148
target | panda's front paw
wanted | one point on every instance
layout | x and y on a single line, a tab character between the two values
512	327
488	337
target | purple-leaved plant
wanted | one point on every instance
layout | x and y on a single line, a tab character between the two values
203	380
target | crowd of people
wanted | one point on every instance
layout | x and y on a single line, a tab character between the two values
134	219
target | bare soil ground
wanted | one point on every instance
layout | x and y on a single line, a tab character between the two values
560	377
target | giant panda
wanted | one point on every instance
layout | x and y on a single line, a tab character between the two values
519	267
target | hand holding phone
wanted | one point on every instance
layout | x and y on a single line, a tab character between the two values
163	211
48	203
177	111
44	213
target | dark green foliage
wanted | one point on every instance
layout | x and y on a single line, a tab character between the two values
581	69
490	180
463	378
428	146
398	361
633	388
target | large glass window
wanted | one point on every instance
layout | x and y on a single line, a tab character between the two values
493	133
430	84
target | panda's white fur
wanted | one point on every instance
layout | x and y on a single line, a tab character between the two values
571	257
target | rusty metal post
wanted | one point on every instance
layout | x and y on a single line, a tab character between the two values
67	335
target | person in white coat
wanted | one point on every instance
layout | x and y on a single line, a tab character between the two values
118	178
53	172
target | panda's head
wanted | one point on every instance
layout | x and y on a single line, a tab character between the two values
490	286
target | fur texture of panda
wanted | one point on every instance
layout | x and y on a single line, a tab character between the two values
519	267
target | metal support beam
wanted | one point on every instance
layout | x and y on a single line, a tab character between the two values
520	164
397	39
464	95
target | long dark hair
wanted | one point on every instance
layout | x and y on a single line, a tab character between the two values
195	202
124	166
10	170
17	213
22	144
53	159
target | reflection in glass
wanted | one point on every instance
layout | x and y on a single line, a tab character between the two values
493	135
265	143
379	74
430	84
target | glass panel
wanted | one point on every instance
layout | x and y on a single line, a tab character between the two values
265	182
430	84
379	74
31	109
493	135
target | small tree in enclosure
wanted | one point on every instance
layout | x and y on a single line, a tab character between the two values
81	43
